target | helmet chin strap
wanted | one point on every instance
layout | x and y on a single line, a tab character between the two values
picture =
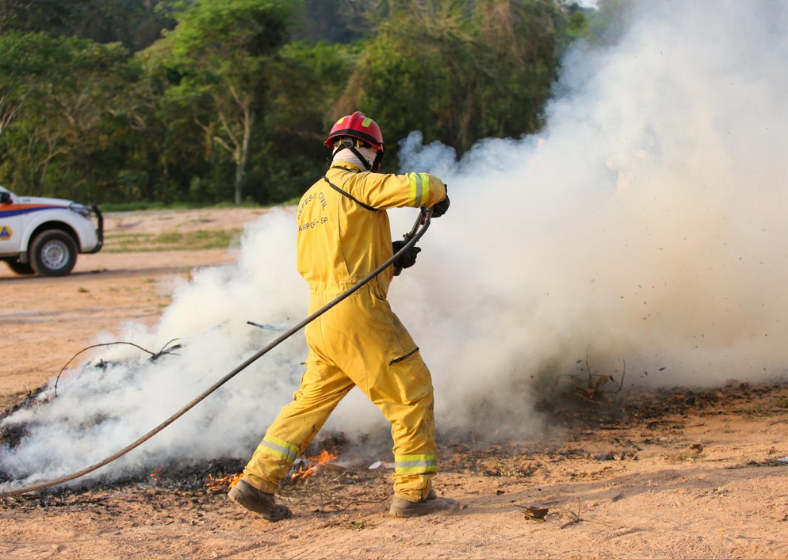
348	143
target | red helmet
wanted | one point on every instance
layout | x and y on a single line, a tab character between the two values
356	126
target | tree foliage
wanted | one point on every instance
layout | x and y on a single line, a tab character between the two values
463	71
213	100
222	52
135	23
56	137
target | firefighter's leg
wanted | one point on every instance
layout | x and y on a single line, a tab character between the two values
377	353
322	387
403	392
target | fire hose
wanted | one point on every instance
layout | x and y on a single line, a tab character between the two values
419	229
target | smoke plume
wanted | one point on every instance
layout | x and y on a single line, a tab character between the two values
645	223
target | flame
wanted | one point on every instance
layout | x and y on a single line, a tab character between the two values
156	475
222	483
319	461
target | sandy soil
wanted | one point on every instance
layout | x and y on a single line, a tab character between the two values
670	475
104	291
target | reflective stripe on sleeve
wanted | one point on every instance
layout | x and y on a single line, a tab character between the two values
419	189
415	188
279	448
415	464
425	196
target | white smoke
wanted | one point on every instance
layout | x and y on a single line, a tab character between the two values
645	223
99	411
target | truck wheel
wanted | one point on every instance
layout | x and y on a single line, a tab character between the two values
20	268
53	253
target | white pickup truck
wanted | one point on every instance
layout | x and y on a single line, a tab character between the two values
44	235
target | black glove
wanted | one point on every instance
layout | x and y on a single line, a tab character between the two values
407	260
440	208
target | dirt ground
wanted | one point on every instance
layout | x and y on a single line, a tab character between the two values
672	474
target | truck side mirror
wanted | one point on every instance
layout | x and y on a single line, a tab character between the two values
5	197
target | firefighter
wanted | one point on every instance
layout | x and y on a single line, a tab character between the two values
343	235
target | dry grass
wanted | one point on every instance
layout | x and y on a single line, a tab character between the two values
172	240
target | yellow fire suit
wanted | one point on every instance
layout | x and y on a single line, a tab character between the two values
360	341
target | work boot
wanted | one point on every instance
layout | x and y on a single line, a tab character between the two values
431	504
261	503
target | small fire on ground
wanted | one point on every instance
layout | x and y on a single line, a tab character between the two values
221	484
156	475
311	465
307	467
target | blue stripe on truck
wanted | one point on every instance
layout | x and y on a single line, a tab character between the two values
19	211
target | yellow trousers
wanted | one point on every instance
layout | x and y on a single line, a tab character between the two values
359	342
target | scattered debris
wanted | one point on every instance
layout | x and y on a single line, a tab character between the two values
654	408
381	464
683	455
574	516
611	456
596	475
498	468
534	513
696	447
593	390
735	385
782	462
266	326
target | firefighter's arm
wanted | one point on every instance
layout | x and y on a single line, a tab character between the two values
383	191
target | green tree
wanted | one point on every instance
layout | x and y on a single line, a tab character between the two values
135	23
223	51
305	83
458	70
227	105
326	20
55	92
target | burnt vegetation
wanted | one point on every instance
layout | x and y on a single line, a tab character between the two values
657	414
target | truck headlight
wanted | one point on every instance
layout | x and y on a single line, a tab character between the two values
79	209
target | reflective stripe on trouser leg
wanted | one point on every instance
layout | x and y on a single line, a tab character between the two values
416	464
279	448
270	462
322	387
